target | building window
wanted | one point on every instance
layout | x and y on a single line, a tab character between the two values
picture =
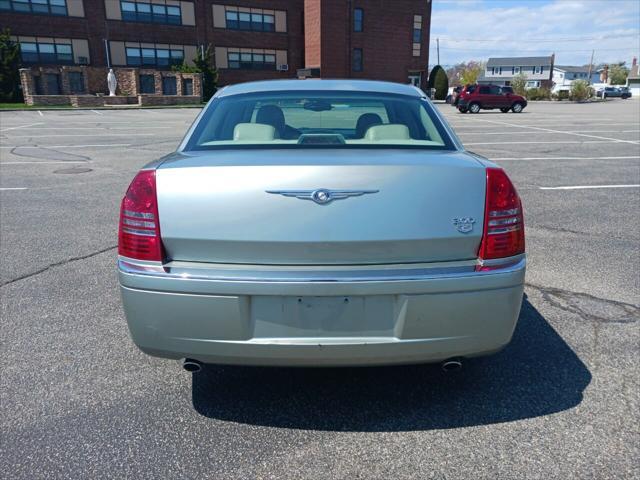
47	7
515	70
358	19
36	52
537	70
257	20
150	13
417	35
169	86
147	84
357	60
187	86
254	60
76	82
154	57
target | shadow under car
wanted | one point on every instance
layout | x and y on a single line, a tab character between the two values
536	374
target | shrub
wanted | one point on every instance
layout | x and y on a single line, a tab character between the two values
202	64
580	91
561	95
538	94
519	84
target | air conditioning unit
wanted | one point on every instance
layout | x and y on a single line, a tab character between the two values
83	61
283	68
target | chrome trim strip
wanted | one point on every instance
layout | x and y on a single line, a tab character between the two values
274	276
497	230
141	233
138	223
504	221
130	213
503	213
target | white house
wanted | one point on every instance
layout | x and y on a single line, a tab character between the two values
633	79
564	76
500	71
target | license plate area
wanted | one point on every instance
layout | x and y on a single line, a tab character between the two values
308	316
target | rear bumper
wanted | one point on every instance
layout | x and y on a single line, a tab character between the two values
313	317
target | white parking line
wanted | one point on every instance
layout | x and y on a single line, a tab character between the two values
616	140
67	146
46	162
586	187
21	126
85	135
97	112
536	142
628	157
462	132
40	113
13	188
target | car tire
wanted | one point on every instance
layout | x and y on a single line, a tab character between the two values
504	110
474	107
462	109
517	107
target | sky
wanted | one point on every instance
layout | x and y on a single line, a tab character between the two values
479	29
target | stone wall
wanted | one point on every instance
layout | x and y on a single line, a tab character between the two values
48	100
95	81
157	100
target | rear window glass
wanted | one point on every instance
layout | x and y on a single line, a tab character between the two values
324	119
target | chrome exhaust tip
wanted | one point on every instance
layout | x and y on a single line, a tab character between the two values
190	365
452	365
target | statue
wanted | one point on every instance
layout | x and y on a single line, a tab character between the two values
112	82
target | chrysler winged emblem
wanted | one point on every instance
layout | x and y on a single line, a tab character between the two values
464	224
322	196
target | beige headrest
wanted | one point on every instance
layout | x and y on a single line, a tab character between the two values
393	131
256	132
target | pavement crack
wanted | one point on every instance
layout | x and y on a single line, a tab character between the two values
589	307
57	264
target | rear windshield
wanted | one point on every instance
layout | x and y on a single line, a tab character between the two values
325	119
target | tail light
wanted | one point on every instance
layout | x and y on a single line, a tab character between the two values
503	233
139	233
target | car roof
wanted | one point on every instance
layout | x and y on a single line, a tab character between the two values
321	84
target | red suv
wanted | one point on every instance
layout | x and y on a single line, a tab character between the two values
474	98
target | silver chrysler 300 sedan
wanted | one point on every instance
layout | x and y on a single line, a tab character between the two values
321	222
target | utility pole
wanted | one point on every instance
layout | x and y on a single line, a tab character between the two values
438	49
590	67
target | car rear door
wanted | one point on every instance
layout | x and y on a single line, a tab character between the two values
497	98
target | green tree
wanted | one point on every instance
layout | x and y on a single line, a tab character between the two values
441	84
618	74
203	63
9	69
438	80
519	84
470	72
580	90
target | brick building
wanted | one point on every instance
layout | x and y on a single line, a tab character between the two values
252	39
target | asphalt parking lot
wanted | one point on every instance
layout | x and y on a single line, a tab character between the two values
78	400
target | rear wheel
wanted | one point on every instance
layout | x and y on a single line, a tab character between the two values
504	110
474	107
462	109
517	108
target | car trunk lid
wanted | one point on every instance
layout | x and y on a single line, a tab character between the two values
214	206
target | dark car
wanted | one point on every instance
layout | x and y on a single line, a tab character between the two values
619	92
452	98
474	98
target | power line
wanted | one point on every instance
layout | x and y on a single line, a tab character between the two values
516	49
540	40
